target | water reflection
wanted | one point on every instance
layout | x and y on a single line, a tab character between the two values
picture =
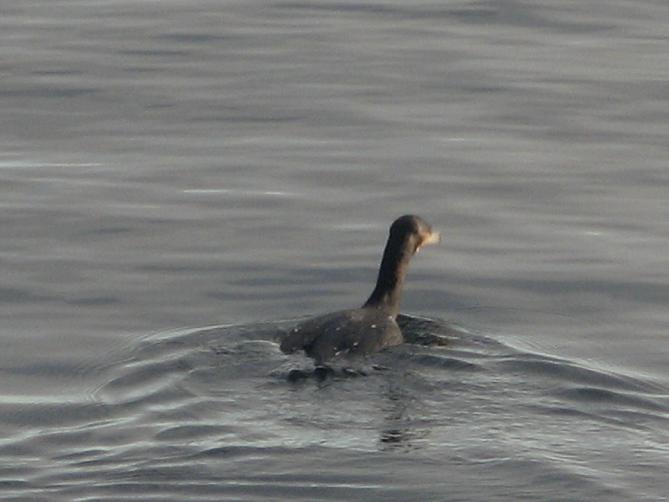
400	430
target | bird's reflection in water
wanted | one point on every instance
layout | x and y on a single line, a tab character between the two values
399	432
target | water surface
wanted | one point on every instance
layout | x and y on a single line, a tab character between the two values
170	166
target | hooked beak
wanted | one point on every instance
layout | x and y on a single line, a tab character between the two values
433	237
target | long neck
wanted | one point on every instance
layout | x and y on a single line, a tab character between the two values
388	291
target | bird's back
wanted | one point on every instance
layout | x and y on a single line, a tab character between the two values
348	332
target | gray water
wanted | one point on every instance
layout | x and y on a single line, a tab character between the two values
181	180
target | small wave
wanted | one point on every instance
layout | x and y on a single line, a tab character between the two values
598	396
444	362
539	366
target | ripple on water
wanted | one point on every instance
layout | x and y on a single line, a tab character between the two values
540	366
191	404
594	396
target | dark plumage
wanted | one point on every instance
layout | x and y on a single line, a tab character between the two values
373	326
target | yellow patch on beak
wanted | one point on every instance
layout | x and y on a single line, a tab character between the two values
432	238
